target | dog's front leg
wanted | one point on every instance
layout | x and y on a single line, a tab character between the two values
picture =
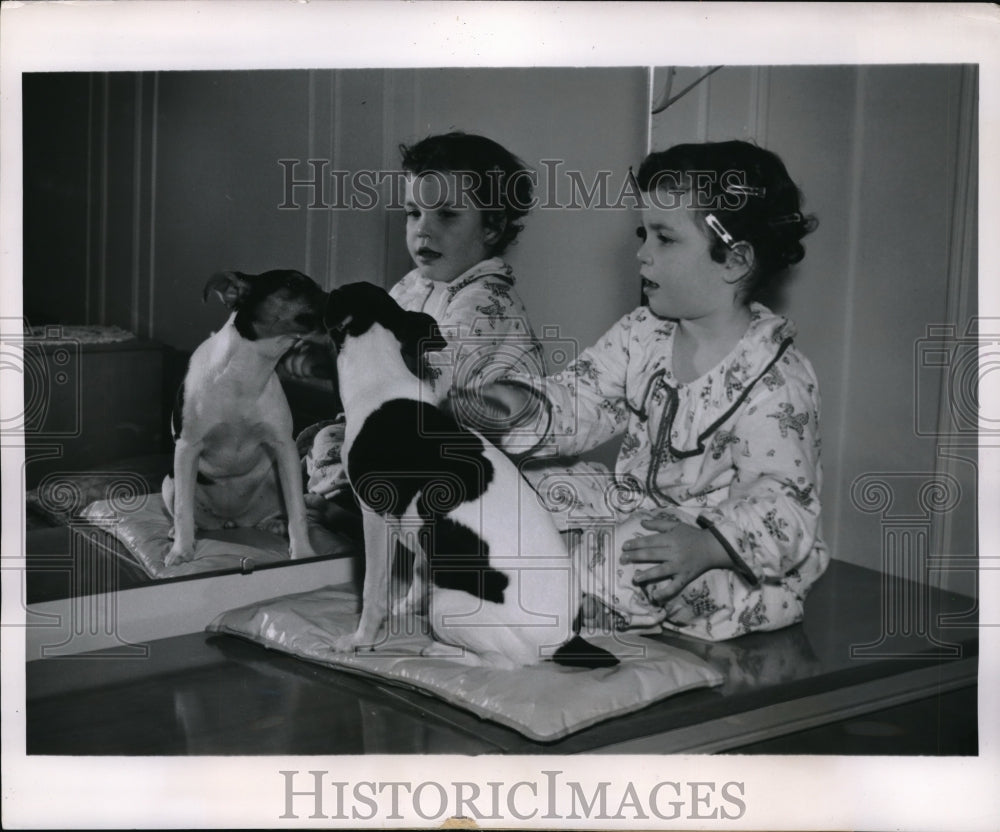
290	474
186	456
375	596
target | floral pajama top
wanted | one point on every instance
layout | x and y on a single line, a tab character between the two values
737	451
486	326
482	318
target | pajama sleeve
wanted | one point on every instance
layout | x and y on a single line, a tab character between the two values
769	522
583	406
489	337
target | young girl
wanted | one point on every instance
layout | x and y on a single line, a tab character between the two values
710	523
465	198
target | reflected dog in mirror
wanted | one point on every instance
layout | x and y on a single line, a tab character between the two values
235	461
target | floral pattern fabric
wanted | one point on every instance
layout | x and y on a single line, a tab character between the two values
483	320
486	326
736	451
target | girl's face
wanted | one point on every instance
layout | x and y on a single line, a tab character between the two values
445	233
679	277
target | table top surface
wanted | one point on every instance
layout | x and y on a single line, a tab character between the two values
215	694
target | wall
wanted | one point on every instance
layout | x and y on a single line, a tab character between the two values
886	159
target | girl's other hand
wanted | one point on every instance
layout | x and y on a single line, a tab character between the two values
330	489
681	552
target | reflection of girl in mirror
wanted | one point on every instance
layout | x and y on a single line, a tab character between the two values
718	411
465	198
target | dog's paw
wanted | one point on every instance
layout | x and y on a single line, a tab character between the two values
178	554
303	550
300	544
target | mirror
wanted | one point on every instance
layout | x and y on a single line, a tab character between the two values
138	186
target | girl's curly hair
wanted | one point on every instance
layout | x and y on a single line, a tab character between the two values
750	192
502	184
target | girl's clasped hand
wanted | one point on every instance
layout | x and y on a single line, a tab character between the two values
680	551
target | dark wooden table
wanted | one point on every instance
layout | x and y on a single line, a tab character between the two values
879	666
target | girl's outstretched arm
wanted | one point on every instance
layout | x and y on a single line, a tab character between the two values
489	336
580	408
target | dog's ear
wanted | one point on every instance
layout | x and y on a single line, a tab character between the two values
422	334
352	308
337	314
231	287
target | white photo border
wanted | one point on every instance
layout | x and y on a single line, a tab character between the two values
799	793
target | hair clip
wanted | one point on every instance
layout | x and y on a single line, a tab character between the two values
787	219
747	190
712	222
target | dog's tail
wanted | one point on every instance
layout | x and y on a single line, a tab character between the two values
579	653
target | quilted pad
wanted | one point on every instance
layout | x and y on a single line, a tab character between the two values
545	702
145	532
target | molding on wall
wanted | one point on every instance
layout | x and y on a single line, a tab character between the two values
88	275
99	312
704	107
650	92
389	138
855	221
120	289
137	181
335	138
310	266
321	144
401	108
140	264
154	126
760	100
952	457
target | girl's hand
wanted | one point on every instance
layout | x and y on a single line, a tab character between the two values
330	489
681	552
492	408
308	359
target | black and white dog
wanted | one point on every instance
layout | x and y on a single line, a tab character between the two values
488	559
235	461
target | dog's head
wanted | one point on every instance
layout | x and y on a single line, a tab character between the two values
352	309
272	304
